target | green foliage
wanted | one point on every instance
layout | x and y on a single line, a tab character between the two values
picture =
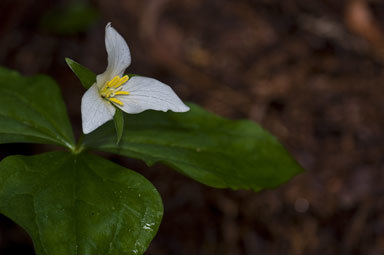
212	150
76	203
118	119
86	76
79	204
70	18
32	110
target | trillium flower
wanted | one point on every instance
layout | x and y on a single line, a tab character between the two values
114	89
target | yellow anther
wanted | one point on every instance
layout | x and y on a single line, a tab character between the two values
122	93
121	81
116	101
112	82
108	93
112	88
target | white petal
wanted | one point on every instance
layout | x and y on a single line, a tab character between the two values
148	93
119	57
95	111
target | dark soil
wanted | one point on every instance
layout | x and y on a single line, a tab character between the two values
311	72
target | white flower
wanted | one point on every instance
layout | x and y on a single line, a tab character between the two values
130	94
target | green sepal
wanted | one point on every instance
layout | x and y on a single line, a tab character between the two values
118	119
86	76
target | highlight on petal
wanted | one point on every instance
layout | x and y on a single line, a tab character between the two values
149	94
119	56
95	111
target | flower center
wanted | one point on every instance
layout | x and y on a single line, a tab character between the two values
113	88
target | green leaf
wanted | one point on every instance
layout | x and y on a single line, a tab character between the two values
119	124
32	110
86	76
70	18
212	150
79	204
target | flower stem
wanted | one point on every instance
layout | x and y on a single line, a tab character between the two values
79	146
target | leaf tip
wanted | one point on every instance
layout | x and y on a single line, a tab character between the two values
68	61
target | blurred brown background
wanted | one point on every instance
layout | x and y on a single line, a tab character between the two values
311	72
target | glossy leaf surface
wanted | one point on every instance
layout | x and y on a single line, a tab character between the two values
79	204
218	152
32	110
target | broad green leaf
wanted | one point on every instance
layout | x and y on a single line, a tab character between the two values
79	204
32	110
212	150
70	18
119	124
86	76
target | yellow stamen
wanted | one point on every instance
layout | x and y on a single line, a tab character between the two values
113	88
122	93
109	93
116	101
112	82
121	81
